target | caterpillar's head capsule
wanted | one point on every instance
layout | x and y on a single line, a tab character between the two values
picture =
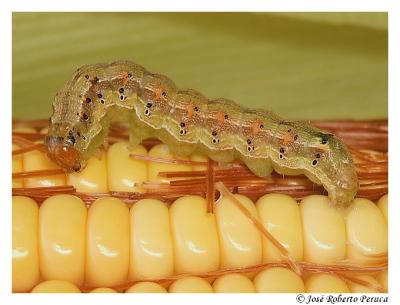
60	149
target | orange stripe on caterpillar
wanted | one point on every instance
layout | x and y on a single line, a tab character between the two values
188	122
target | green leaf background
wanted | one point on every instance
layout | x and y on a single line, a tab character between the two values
300	65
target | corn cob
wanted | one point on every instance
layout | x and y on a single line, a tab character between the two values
217	248
110	245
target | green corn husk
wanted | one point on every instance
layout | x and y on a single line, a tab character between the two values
299	65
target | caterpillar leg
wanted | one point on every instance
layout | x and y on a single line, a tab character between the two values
260	167
181	149
137	133
134	140
222	156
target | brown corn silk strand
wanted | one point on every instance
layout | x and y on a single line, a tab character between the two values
27	149
39	173
368	144
27	143
292	263
339	270
210	186
362	282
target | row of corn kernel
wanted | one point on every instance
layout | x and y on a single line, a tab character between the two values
272	280
108	244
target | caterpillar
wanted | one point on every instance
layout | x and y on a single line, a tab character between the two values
188	122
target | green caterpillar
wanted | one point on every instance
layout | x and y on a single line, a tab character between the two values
188	122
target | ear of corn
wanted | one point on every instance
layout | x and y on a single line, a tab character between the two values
183	247
151	241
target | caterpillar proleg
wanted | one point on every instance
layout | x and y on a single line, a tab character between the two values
188	122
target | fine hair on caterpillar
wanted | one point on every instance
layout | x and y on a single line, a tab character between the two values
188	122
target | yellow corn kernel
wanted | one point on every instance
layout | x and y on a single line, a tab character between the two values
194	235
25	256
357	288
278	280
324	231
107	251
124	171
240	241
154	168
151	254
325	283
280	215
233	283
62	227
93	178
17	166
366	230
103	290
56	286
383	205
190	284
37	160
383	279
146	287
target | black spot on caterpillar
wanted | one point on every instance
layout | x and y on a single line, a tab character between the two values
188	122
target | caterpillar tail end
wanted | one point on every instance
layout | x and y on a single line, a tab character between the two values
344	192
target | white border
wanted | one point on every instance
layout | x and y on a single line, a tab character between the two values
5	136
394	147
7	6
200	5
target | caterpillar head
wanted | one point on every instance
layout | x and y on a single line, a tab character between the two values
60	148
